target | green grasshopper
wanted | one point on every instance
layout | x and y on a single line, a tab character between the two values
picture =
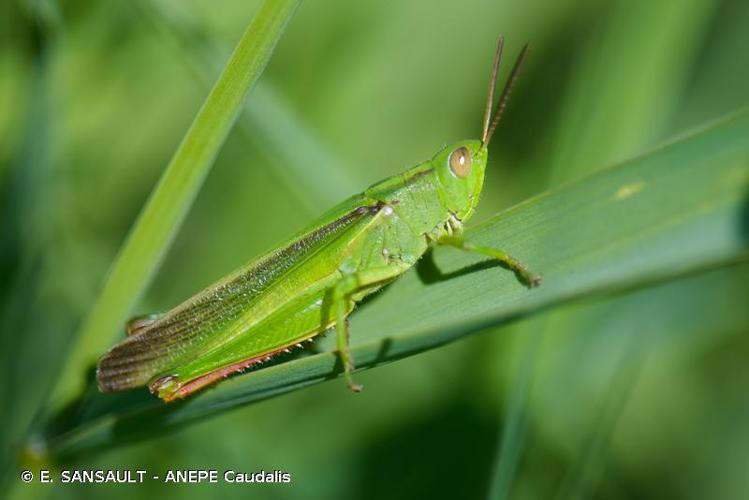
312	282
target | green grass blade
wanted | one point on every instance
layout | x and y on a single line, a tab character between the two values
677	210
586	471
160	219
268	124
513	436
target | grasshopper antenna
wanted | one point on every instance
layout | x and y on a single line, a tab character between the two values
502	104
492	85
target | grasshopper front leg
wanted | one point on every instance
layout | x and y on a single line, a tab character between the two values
341	297
529	278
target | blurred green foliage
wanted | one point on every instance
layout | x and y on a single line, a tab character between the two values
629	396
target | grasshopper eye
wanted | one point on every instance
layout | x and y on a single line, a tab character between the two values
460	162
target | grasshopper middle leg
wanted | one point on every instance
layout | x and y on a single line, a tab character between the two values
342	292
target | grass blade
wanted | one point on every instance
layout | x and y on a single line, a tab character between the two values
512	439
677	210
268	123
160	219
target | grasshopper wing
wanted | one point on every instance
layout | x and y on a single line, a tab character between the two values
205	321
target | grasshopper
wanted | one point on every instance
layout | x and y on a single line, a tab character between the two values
312	282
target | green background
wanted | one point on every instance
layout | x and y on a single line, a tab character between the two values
641	395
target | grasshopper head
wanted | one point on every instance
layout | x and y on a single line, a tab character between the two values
460	169
461	166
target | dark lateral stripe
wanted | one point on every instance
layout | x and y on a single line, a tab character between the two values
419	175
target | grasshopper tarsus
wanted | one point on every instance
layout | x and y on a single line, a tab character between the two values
530	281
534	280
